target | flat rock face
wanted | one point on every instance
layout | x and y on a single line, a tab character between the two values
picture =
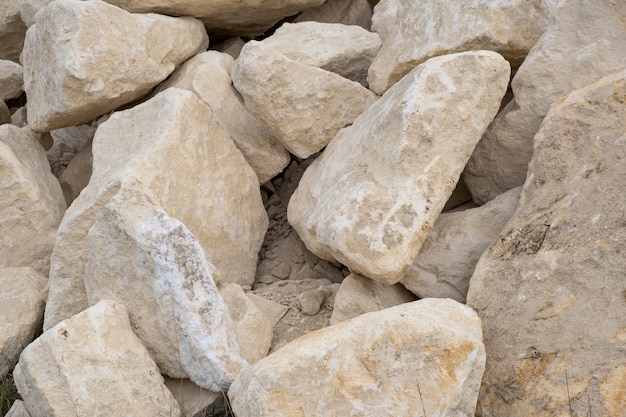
141	257
11	80
344	50
225	17
170	144
584	42
71	79
346	12
31	201
446	261
22	302
426	356
191	398
302	105
559	263
12	30
414	31
92	364
371	198
208	76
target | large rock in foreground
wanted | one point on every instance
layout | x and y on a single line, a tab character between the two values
423	357
92	365
550	291
371	198
85	58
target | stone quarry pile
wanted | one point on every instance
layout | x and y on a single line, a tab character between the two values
313	208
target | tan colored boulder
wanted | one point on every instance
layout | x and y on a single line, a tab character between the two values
346	12
414	31
29	8
12	30
359	295
208	76
344	50
584	42
22	302
11	80
92	365
176	148
271	310
550	290
371	198
71	79
420	358
446	261
77	174
18	409
303	106
191	398
31	201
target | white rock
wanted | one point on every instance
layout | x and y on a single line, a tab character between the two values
71	79
11	80
420	358
414	31
359	295
18	409
303	106
12	30
176	148
31	201
371	198
446	261
347	12
254	330
191	398
208	76
29	9
22	302
584	42
92	365
344	50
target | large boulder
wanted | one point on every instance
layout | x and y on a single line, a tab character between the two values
371	198
175	147
414	31
421	358
85	58
31	201
92	365
584	42
550	290
302	105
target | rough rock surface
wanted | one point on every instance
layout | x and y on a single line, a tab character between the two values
191	398
425	356
11	80
77	174
446	261
344	50
346	12
208	76
170	144
359	295
22	302
70	79
550	291
584	43
302	105
414	31
18	409
141	257
12	30
5	114
92	365
29	9
31	201
371	198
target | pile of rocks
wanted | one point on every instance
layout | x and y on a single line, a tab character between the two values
316	208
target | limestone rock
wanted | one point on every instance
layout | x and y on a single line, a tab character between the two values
12	30
22	301
191	398
346	12
423	357
208	76
11	80
85	58
29	8
254	330
584	42
177	149
370	199
271	310
18	409
446	261
344	50
31	201
92	365
303	106
414	31
76	176
550	290
231	46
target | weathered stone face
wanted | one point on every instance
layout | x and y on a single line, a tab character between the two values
550	289
371	198
11	80
346	12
